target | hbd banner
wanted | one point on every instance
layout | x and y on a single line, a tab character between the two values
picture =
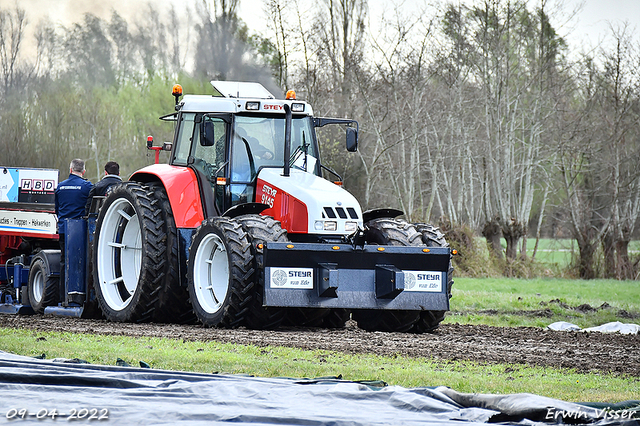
19	185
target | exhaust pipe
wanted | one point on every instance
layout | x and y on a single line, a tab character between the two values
287	140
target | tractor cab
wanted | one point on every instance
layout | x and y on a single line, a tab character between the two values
228	140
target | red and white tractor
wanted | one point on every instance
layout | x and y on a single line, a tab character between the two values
241	228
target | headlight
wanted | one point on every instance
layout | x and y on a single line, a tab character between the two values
252	106
331	225
295	107
318	225
350	226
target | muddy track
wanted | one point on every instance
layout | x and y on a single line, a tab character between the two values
584	352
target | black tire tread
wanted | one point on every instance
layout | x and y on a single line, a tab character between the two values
386	320
433	237
50	293
154	259
242	272
173	298
306	317
336	318
261	229
394	232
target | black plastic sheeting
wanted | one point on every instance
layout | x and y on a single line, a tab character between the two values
125	395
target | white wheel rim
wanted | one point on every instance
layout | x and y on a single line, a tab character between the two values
37	289
119	254
211	274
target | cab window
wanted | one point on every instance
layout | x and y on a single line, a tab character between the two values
183	141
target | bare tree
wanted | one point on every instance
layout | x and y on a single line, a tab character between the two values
342	30
619	117
12	26
517	53
281	31
90	52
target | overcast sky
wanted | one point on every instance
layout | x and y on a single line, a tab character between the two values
589	27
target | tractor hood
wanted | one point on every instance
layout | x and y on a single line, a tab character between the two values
306	203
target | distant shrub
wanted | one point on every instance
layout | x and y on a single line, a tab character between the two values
476	260
473	258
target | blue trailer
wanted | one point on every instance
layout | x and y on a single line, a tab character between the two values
29	248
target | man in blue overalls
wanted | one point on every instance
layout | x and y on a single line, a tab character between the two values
71	197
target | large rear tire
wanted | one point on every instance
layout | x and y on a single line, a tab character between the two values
43	290
261	229
173	298
221	268
130	261
395	232
432	237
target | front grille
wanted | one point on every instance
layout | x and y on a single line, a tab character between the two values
331	213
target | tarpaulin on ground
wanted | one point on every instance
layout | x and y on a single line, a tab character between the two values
33	388
610	327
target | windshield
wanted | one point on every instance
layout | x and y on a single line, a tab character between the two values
259	142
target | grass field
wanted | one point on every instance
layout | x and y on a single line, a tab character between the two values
539	302
508	297
559	252
209	357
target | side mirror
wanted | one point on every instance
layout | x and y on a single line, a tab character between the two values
352	139
207	135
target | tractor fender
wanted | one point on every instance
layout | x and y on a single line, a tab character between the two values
246	208
181	185
378	213
51	260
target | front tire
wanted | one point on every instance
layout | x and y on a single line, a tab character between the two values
220	271
394	232
336	318
261	229
129	254
43	290
432	237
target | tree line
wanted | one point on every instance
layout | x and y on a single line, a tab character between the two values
480	116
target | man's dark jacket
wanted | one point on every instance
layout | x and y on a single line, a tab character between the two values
100	189
71	197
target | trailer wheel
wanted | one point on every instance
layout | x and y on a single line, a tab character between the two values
432	237
221	269
261	229
395	232
129	253
43	290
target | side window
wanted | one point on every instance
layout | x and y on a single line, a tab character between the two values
209	153
185	133
213	155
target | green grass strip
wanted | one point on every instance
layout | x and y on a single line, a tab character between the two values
539	302
209	357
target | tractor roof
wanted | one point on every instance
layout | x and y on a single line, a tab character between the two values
241	89
235	97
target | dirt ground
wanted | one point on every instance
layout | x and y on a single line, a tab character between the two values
584	352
